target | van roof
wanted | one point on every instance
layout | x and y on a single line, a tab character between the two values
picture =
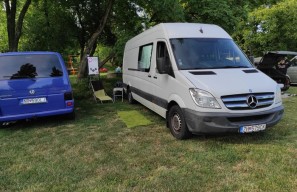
178	30
187	30
28	52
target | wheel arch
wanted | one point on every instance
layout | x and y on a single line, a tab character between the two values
174	100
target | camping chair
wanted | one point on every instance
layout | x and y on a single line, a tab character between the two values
98	91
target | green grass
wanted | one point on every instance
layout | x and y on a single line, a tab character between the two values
97	152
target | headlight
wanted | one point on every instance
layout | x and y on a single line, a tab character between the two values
204	99
278	95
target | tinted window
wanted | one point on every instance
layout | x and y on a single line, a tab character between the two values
162	53
162	50
29	66
144	57
197	53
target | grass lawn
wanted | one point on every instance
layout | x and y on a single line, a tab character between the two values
98	152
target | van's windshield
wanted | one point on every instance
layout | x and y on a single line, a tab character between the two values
29	66
208	53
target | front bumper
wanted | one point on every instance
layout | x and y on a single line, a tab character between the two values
200	122
35	115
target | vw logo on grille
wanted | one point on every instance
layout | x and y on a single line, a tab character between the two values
252	101
32	92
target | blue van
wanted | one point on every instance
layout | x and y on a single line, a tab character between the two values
34	84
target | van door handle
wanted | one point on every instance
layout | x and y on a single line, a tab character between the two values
149	76
155	77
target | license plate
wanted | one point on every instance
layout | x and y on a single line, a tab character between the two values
252	128
34	101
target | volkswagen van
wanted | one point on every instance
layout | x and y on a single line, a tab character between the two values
34	84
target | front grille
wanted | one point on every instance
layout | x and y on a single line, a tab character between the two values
240	102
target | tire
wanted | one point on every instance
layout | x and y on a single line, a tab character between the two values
70	116
130	97
177	123
286	84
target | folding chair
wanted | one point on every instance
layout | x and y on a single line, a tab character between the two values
118	91
98	91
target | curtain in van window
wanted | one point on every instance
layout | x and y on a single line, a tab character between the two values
145	54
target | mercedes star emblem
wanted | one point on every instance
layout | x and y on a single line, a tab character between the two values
252	101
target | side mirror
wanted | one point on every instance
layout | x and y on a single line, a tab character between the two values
252	59
162	65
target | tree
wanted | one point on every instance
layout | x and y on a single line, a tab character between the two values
49	27
15	26
132	17
272	27
3	32
93	39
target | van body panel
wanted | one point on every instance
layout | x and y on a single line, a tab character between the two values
226	74
24	97
245	83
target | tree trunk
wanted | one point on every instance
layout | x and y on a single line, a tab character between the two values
10	18
14	28
93	49
109	57
93	40
48	25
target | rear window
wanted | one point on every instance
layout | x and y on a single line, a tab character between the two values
29	66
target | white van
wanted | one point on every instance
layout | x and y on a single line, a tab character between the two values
196	77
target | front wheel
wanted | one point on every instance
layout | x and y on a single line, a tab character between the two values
177	123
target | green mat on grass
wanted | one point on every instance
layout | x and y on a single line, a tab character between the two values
133	118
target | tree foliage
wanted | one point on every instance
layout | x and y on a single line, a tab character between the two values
75	26
14	21
43	32
272	27
3	32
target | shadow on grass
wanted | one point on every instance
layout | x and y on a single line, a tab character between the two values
36	123
271	135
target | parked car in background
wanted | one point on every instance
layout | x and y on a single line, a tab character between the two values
34	84
292	70
103	70
270	62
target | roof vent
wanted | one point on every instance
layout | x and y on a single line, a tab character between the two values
250	71
203	72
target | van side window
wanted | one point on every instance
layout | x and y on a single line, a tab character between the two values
162	53
162	50
144	57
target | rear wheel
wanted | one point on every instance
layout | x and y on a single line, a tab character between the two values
130	97
177	123
70	116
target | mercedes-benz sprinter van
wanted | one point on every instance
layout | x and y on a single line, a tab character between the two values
196	77
34	84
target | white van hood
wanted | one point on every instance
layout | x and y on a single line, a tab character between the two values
220	82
